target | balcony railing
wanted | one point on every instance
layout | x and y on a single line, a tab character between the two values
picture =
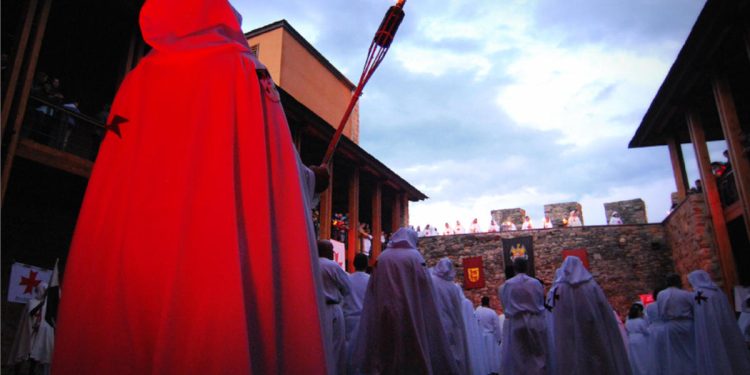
62	128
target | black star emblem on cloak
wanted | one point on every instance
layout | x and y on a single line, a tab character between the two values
114	125
699	297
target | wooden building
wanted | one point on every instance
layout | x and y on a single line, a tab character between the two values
706	97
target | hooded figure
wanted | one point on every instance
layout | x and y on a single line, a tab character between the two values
587	339
448	299
35	337
678	340
744	320
654	361
719	346
400	331
638	349
615	219
181	262
475	342
492	335
525	347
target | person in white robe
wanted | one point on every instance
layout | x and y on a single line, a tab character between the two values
719	346
587	339
676	310
615	219
419	231
656	344
35	337
459	228
448	299
527	223
744	321
638	348
475	342
447	231
574	220
336	287
353	304
493	227
427	231
366	238
492	335
525	347
547	223
508	225
474	227
400	331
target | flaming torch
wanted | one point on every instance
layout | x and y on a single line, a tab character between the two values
378	48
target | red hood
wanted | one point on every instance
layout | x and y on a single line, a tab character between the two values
175	25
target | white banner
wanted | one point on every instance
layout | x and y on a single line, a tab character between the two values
339	253
23	279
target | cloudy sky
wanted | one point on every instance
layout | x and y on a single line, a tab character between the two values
491	104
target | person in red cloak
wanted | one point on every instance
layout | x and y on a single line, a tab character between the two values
182	261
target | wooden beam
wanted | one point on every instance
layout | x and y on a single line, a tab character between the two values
715	210
352	239
404	209
15	72
326	203
24	94
396	214
377	222
54	158
730	126
678	167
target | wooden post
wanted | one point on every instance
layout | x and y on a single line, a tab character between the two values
730	125
24	95
711	195
326	202
352	239
678	167
15	72
405	209
377	222
396	214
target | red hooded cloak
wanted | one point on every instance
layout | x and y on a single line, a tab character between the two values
194	251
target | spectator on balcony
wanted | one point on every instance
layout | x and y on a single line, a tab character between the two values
427	231
697	189
728	163
366	238
68	122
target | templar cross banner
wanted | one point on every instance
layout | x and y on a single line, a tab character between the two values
473	273
519	247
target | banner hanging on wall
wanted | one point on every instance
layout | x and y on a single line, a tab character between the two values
473	273
519	247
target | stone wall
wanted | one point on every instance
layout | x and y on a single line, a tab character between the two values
626	260
689	234
559	211
516	216
631	211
